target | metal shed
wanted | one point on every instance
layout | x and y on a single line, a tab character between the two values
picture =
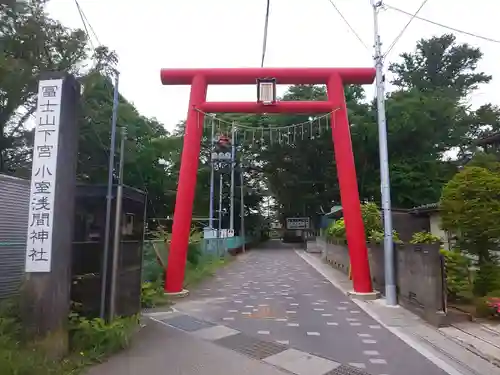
14	211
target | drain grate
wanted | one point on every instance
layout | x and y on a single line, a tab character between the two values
251	346
347	370
187	323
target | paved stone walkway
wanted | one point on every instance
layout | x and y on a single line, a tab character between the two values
274	295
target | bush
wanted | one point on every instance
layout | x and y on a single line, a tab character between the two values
487	279
91	340
372	222
424	238
489	306
378	237
458	282
336	230
194	253
10	324
152	270
470	208
372	218
153	295
95	339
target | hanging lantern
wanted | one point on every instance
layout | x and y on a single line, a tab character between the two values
224	141
266	91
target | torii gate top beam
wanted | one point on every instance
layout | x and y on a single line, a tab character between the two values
283	76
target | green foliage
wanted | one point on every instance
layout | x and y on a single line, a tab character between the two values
194	253
428	115
205	268
372	221
91	340
336	230
458	283
32	43
372	218
486	161
453	71
424	237
378	237
488	306
470	208
95	339
153	295
487	279
483	310
152	270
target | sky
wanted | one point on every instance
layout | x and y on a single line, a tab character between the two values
154	34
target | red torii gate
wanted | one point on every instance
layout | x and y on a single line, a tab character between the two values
335	79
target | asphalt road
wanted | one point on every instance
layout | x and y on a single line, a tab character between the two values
273	294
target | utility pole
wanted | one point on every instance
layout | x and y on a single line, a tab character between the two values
233	162
220	213
212	173
242	209
118	226
390	282
109	199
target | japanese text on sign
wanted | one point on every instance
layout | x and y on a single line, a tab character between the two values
297	223
43	177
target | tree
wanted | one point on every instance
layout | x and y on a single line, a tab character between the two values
439	64
439	75
470	208
486	161
151	155
31	43
428	117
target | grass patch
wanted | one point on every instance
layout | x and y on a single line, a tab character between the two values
91	341
206	267
153	295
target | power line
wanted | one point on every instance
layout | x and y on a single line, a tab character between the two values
86	23
413	16
442	25
264	42
348	24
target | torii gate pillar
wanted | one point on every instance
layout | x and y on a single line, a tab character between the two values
335	79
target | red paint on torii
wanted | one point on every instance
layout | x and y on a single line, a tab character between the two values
283	76
335	79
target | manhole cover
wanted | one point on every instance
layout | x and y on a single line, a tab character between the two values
251	346
187	323
347	370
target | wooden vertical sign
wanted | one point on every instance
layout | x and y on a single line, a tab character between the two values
46	293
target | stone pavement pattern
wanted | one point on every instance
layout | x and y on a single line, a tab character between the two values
162	350
275	296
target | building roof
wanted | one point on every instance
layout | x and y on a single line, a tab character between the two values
336	210
425	208
489	139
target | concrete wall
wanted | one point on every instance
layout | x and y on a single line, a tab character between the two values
419	275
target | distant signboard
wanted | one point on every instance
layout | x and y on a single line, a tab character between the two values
209	233
297	223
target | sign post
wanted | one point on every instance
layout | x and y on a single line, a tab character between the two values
295	223
46	293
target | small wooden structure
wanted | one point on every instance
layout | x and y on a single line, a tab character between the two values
88	248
